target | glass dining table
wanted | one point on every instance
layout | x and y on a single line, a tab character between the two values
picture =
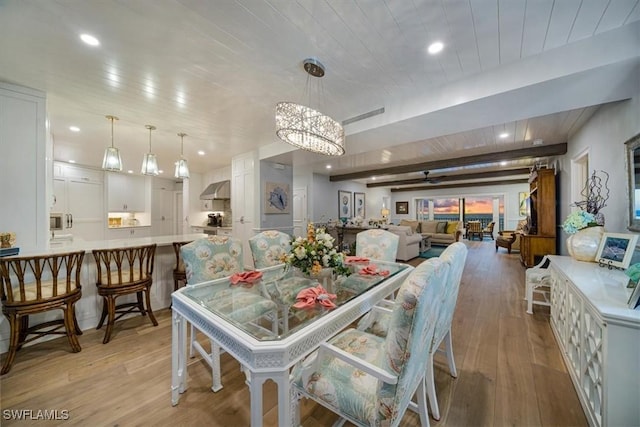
269	346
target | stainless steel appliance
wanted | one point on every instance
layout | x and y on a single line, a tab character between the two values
215	220
56	222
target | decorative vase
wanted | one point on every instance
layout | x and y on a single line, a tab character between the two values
583	245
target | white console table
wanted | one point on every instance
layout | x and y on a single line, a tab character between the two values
599	337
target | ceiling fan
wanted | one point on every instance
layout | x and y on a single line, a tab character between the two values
435	180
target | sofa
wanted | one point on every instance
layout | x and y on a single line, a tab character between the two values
409	243
440	232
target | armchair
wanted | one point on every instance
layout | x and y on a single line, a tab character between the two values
369	380
510	239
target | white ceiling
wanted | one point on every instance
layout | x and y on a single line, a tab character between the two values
536	69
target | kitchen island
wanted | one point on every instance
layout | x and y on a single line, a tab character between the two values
89	308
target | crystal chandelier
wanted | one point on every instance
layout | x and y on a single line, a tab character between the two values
149	162
111	160
306	128
182	169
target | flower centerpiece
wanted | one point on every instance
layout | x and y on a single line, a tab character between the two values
586	225
316	252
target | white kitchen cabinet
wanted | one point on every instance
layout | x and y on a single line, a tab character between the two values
128	232
599	339
243	191
162	208
25	179
224	232
126	193
78	196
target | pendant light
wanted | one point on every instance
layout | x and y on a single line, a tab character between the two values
182	169
149	162
306	128
111	160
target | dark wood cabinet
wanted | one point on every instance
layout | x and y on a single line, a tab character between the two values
540	238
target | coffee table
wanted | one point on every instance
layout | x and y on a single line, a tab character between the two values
425	243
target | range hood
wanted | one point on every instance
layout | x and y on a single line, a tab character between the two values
217	191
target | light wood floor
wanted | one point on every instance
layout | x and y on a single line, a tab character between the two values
510	372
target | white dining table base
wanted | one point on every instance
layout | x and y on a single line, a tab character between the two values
255	380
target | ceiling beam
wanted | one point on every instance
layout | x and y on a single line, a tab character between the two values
427	187
458	177
523	153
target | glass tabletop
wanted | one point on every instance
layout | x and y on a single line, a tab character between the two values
284	300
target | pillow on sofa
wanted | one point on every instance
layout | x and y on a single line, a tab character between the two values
428	227
415	225
441	227
452	227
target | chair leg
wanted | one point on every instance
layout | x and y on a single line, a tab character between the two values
105	309
111	311
141	303
75	321
14	324
448	348
431	389
70	327
24	328
529	297
422	404
149	310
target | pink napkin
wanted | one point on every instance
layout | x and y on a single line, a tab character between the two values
245	277
310	296
356	260
372	270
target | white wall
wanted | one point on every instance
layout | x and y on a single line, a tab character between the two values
603	136
324	197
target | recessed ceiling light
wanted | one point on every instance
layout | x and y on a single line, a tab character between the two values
201	153
90	40
504	135
538	141
373	178
435	47
74	128
328	166
160	171
130	171
72	161
503	163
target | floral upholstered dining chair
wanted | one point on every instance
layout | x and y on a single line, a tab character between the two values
268	248
369	380
377	321
211	258
377	244
216	257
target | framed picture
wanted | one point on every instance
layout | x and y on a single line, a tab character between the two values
616	249
523	200
359	204
634	299
276	198
402	208
344	204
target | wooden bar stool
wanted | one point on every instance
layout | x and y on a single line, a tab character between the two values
179	275
37	284
124	271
